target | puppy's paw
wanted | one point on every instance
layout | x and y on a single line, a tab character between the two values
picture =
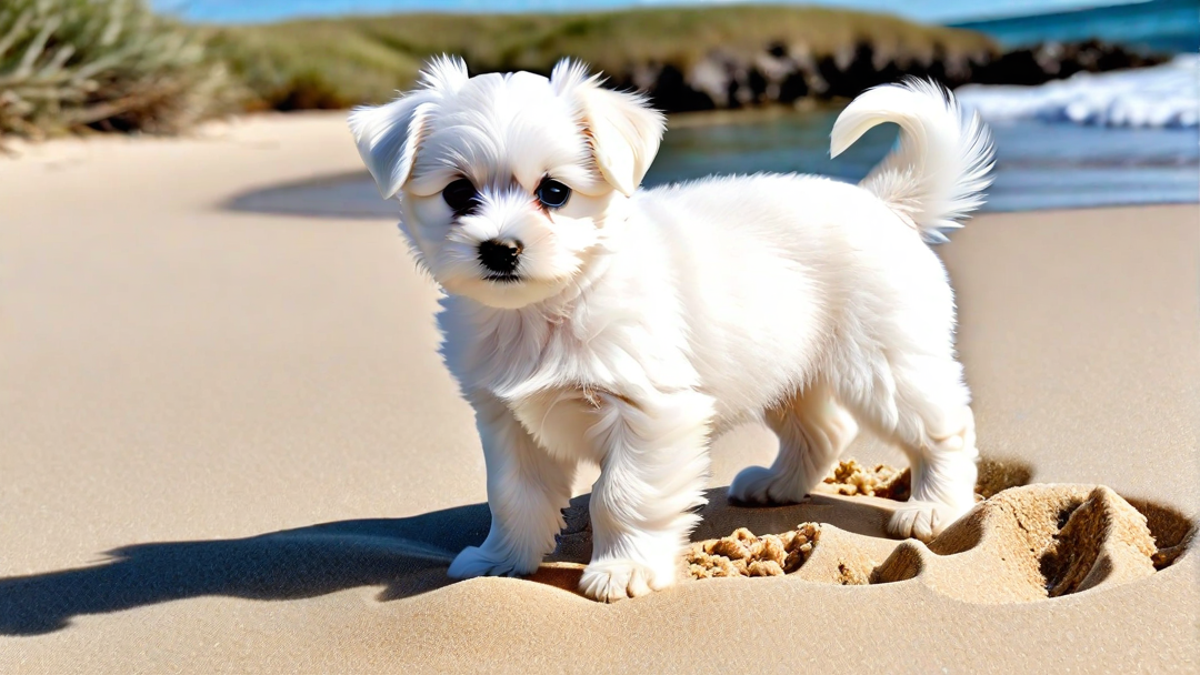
617	579
760	485
478	562
922	520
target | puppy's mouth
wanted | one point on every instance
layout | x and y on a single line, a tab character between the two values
503	278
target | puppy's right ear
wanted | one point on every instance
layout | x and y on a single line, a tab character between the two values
622	129
388	135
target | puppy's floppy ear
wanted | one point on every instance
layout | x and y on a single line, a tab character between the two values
624	132
388	135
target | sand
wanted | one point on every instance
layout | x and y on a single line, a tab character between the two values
228	446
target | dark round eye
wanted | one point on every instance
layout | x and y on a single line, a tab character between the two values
553	194
461	196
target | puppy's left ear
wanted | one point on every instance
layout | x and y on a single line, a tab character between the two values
388	135
623	130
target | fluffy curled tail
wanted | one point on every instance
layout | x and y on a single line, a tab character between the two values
937	175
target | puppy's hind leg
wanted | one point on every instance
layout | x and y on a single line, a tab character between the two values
653	470
813	431
527	491
920	402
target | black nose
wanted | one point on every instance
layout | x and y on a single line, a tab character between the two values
500	256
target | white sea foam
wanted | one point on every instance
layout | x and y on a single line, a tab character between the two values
1160	96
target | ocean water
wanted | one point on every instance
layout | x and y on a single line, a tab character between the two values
1039	165
1126	137
1163	96
1171	26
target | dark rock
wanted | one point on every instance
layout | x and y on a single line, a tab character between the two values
784	73
669	90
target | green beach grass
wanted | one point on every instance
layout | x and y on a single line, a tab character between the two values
68	65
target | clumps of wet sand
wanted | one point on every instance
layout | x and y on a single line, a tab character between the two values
744	554
887	482
851	478
813	552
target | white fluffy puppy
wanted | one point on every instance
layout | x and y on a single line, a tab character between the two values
588	320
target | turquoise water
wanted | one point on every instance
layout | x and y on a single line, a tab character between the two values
1159	25
1039	165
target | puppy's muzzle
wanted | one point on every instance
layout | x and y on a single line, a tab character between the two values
500	257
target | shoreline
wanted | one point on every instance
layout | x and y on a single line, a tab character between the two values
1025	182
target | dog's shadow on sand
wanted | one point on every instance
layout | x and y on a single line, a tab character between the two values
406	556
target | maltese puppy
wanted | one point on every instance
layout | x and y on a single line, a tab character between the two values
588	320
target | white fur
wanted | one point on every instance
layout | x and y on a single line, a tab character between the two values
944	163
645	324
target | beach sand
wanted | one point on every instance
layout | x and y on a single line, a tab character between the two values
228	446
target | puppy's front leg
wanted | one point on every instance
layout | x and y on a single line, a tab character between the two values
653	470
527	490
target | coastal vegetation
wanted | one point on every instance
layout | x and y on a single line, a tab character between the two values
68	65
75	65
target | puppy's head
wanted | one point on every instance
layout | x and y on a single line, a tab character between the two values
506	181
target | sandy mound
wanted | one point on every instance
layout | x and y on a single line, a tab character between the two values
1043	541
1026	543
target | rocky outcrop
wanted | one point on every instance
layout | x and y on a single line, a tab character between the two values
785	74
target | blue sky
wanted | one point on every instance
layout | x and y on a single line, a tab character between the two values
236	11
